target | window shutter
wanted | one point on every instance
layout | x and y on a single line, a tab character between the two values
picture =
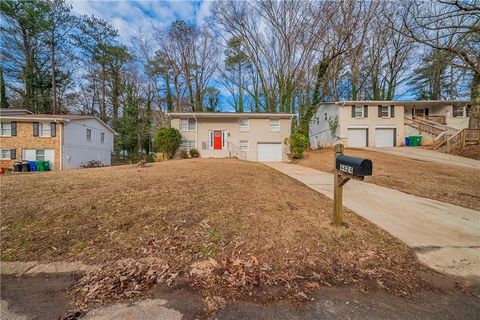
379	111
13	154
53	129
392	111
35	129
14	128
365	111
353	111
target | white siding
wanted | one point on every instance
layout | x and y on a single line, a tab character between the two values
76	148
319	132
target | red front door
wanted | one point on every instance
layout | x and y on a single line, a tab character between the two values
217	139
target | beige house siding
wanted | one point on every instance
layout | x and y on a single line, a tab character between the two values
372	122
25	140
443	110
259	131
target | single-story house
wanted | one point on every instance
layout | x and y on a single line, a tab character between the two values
382	123
247	136
66	141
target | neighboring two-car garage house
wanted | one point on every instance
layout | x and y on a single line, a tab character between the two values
379	123
66	141
247	136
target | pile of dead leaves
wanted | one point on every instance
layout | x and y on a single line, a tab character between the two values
120	280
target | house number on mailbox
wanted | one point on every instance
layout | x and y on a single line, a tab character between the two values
345	168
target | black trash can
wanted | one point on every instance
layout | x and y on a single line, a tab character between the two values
25	166
17	167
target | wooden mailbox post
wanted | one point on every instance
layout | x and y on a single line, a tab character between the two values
346	168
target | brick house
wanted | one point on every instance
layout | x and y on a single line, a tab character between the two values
65	140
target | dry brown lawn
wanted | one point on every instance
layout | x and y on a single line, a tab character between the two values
456	185
260	226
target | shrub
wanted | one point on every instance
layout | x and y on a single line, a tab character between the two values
194	153
298	144
167	141
183	154
150	158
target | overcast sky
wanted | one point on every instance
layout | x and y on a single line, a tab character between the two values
128	16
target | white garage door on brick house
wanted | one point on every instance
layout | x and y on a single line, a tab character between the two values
357	137
270	152
385	137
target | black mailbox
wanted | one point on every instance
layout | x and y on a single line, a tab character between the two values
356	166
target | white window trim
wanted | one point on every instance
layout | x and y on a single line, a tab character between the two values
224	139
210	139
275	128
42	132
102	137
44	154
244	128
240	145
1	129
423	112
389	112
86	135
355	112
187	143
9	152
188	122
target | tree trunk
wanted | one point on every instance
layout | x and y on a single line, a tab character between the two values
103	105
54	82
168	93
240	90
474	121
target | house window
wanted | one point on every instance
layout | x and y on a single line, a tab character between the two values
384	112
189	124
44	129
325	116
40	155
244	145
275	125
244	124
458	111
419	112
6	129
358	111
187	144
5	154
89	135
102	137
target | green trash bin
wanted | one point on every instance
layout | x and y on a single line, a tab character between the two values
42	165
415	141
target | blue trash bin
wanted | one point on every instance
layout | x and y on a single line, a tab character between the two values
407	141
33	165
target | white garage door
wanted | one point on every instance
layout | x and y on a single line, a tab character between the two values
357	137
384	137
269	152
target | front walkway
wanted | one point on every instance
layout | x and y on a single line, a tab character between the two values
445	237
430	156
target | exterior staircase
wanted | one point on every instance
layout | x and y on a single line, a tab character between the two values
446	138
234	151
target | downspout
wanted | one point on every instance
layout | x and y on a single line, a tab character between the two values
340	120
196	131
61	147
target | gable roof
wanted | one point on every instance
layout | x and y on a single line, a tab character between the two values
230	115
405	103
52	117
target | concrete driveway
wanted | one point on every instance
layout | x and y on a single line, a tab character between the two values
430	156
445	237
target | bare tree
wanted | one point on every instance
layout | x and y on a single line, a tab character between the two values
449	26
